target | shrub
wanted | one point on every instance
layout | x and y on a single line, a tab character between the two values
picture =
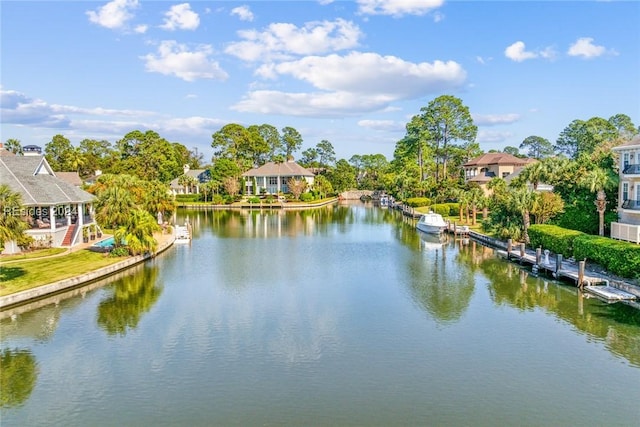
253	200
217	199
620	258
557	239
442	209
418	202
187	198
119	252
306	197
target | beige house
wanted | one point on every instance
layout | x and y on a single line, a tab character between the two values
273	178
57	211
628	225
483	169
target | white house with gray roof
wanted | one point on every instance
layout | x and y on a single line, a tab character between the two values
273	178
628	225
57	211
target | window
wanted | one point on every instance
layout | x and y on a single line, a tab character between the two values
637	193
625	191
625	161
273	180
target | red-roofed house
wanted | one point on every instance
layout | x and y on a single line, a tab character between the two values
483	169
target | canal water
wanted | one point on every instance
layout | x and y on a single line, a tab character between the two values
341	316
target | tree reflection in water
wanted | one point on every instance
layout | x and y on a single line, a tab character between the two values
132	296
18	374
616	325
438	283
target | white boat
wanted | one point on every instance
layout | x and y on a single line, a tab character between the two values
431	223
183	234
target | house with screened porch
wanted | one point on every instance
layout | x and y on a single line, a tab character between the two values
58	212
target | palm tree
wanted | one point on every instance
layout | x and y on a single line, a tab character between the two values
476	198
11	226
114	206
522	200
138	231
597	180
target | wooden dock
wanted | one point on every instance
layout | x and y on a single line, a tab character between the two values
558	268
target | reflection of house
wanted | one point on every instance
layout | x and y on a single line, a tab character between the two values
628	227
56	210
273	178
483	169
200	176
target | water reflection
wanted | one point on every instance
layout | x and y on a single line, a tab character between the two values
18	375
616	325
132	296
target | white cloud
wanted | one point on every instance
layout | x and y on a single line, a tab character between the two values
495	119
370	74
176	59
493	136
382	125
17	108
585	48
114	14
398	7
517	52
281	40
141	29
350	85
318	104
181	17
243	12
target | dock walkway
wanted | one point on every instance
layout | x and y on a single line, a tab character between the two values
568	270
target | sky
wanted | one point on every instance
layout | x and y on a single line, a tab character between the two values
349	72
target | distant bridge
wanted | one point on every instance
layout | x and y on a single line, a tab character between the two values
355	194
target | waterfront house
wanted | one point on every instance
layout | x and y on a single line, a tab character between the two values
484	168
200	176
57	211
273	177
628	225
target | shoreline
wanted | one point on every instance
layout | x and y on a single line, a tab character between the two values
51	289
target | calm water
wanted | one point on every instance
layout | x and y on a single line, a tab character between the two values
340	316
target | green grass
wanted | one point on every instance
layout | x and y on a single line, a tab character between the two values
39	253
22	275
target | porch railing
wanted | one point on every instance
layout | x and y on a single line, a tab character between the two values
632	169
628	232
633	205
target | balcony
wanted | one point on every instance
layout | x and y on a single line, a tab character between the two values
631	169
633	205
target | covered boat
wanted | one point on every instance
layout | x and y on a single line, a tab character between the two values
431	223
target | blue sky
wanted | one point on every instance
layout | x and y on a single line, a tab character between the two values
350	72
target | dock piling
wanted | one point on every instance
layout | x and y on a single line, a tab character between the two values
581	265
558	263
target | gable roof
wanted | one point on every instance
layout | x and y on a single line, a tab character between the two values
279	169
33	179
194	173
633	143
70	177
498	159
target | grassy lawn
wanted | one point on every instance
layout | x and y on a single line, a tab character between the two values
22	275
31	255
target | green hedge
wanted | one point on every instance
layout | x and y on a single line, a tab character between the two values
418	202
620	258
557	239
188	198
446	209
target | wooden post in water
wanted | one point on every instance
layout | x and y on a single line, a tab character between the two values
538	256
509	244
522	251
581	274
558	263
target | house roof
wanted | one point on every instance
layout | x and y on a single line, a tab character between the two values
70	177
279	169
194	173
498	159
633	143
35	181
